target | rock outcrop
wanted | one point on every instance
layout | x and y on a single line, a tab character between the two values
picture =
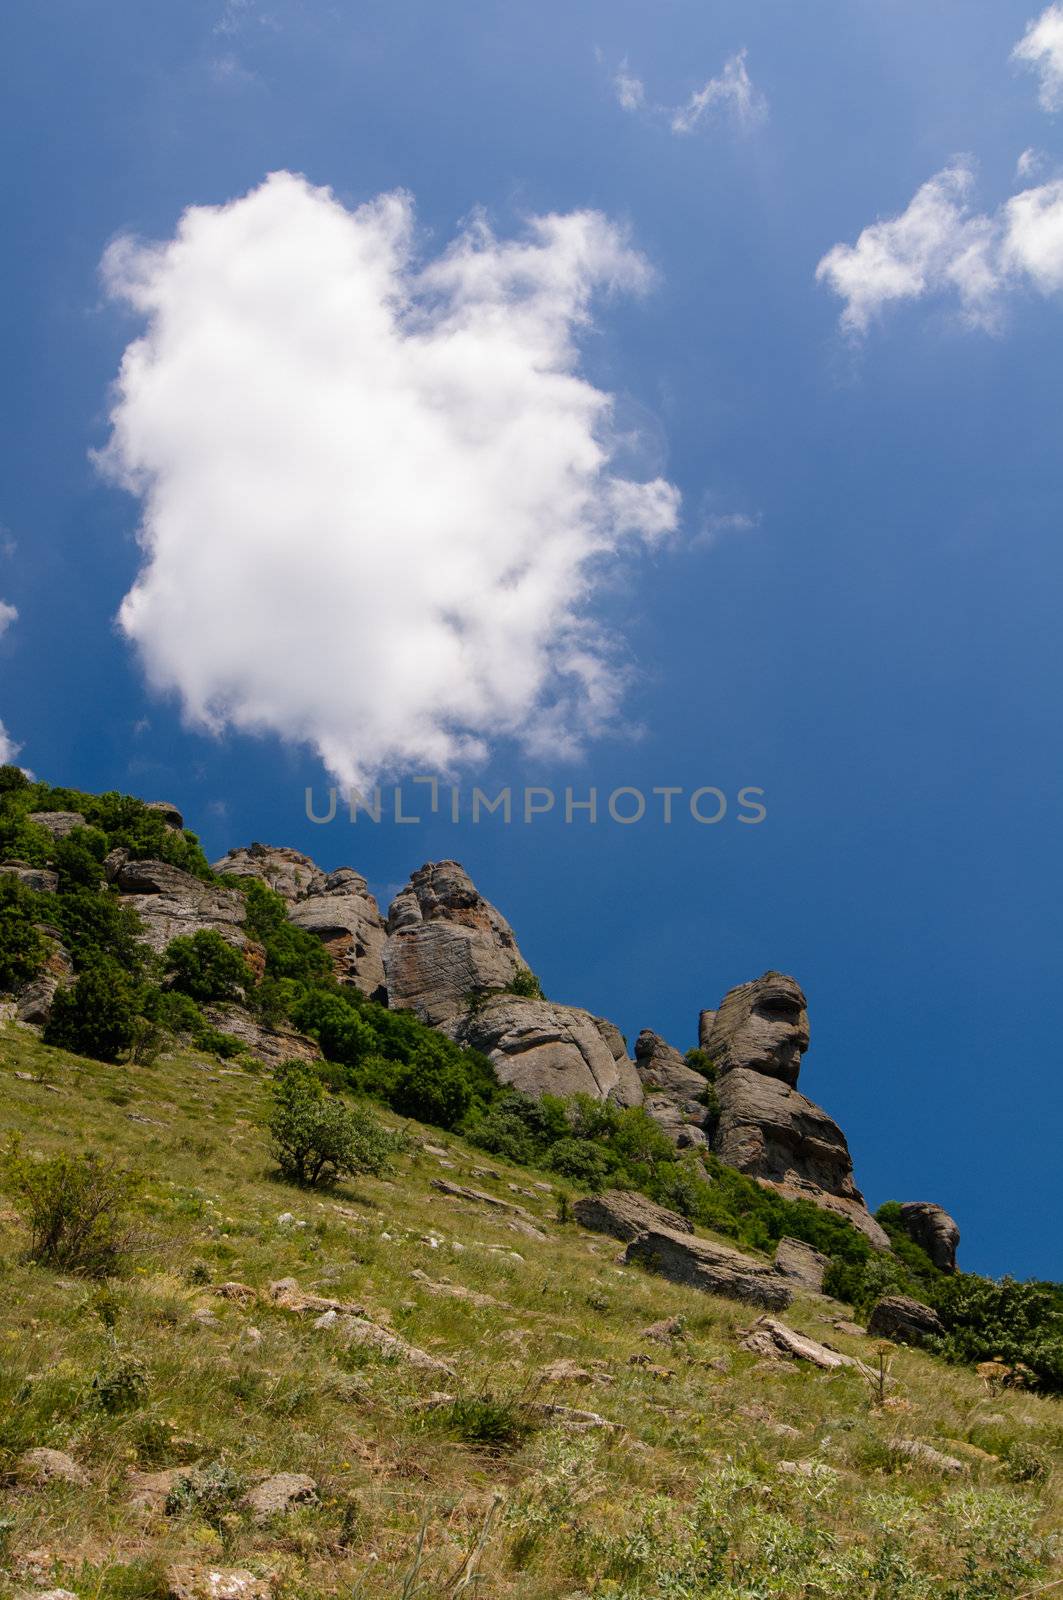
171	903
713	1267
624	1214
446	945
270	1045
57	823
543	1048
904	1320
335	906
33	1003
766	1128
932	1228
801	1265
40	879
673	1093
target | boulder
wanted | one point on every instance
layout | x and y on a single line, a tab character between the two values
774	1341
673	1093
215	1583
33	1003
801	1265
287	872
279	1494
168	812
171	903
932	1228
57	823
543	1048
40	879
924	1455
624	1214
446	945
773	1133
761	1026
715	1268
50	1466
269	1045
904	1320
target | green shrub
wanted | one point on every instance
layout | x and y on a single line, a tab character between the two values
494	1423
701	1061
209	1492
76	1207
317	1138
121	1383
525	983
12	778
1027	1463
205	966
94	925
432	1087
22	948
78	859
291	952
97	1015
1020	1323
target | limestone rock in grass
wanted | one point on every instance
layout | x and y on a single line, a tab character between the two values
171	903
40	879
853	1329
58	823
667	1331
168	812
446	944
51	1466
33	1003
269	1045
565	1370
672	1092
458	1191
148	1491
775	1341
932	1228
241	1293
578	1421
286	1293
542	1048
216	1583
356	1330
54	1594
904	1320
801	1265
771	1132
281	1493
455	1291
624	1214
924	1455
715	1268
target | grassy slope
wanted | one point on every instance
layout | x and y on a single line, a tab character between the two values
686	1499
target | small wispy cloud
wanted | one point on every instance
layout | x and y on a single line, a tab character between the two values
1041	49
9	749
732	93
1029	162
718	524
938	245
8	615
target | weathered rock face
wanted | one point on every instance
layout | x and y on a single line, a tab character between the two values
904	1320
801	1265
168	812
771	1132
58	823
762	1025
624	1214
712	1267
40	879
171	903
542	1048
335	906
446	944
269	1045
33	1002
932	1228
673	1093
766	1128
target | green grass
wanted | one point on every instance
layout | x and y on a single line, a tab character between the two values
685	1497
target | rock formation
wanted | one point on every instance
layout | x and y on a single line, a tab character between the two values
543	1048
932	1228
766	1128
170	902
624	1214
801	1265
904	1320
336	906
713	1267
673	1093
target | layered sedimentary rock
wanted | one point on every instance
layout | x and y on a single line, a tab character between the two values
171	903
801	1265
713	1267
335	906
543	1048
446	946
766	1128
673	1093
624	1214
904	1320
932	1228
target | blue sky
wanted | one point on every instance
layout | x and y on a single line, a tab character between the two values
856	609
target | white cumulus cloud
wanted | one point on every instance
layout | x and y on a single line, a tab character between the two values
733	91
1041	48
938	245
376	494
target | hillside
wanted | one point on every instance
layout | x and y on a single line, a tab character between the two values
712	1470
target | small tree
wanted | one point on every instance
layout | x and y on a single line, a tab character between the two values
204	966
316	1137
96	1017
76	1207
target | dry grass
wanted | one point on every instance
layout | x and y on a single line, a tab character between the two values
684	1497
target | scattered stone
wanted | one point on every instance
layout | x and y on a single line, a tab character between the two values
40	879
358	1331
279	1494
773	1340
56	1594
853	1329
651	1368
932	1228
715	1268
527	1229
216	1583
458	1191
926	1456
149	1490
578	1421
286	1294
667	1331
904	1320
624	1214
801	1265
437	1150
241	1293
454	1291
565	1370
205	1317
51	1466
971	1452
